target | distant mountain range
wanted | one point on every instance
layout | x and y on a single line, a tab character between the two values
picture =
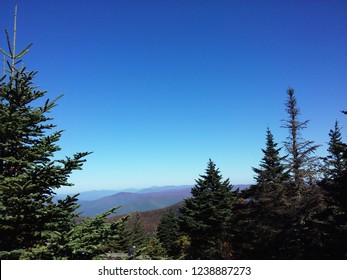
149	219
132	200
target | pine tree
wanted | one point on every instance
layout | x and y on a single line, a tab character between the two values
168	233
206	215
301	161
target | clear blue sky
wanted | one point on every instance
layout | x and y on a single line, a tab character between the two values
156	88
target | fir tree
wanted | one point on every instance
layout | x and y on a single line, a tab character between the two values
29	175
32	225
257	224
155	249
302	200
206	215
271	170
335	161
282	219
137	235
335	186
168	233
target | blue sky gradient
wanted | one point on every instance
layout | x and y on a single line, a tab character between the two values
156	88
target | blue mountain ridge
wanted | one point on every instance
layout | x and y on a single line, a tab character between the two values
132	200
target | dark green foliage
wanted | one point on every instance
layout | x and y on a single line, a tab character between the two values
206	215
335	186
29	175
272	170
335	161
32	225
136	234
89	239
258	211
274	223
282	216
168	233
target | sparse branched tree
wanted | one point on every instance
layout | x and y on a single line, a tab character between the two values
282	219
301	159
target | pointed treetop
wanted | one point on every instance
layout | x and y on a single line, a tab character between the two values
11	54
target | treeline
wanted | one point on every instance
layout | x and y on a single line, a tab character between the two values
296	210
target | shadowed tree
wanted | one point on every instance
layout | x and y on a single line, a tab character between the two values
206	215
335	186
168	233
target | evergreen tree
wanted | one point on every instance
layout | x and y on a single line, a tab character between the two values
28	174
282	219
271	169
206	215
32	225
335	186
302	200
90	239
258	222
155	249
301	161
168	233
122	244
335	161
137	235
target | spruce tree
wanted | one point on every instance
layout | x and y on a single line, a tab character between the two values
206	215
